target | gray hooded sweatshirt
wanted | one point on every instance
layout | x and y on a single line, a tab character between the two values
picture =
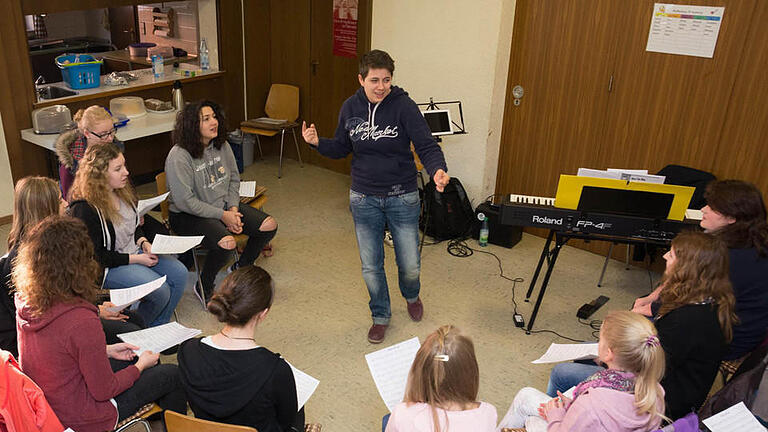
203	187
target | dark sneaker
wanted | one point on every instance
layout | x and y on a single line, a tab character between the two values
416	310
376	333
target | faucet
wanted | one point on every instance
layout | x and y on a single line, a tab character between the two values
39	90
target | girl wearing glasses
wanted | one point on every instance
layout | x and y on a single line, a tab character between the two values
94	126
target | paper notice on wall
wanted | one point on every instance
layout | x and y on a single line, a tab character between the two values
345	28
684	29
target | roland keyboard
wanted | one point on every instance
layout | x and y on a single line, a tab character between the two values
533	211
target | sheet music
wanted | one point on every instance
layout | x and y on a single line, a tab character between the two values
247	188
164	244
146	205
684	29
694	214
735	418
126	296
567	352
389	368
305	385
159	338
628	171
588	172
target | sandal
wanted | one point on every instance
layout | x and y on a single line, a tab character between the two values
267	251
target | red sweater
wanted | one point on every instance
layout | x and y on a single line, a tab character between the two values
64	352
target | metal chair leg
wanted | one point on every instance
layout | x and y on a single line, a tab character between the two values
258	142
626	266
605	264
199	283
298	152
280	168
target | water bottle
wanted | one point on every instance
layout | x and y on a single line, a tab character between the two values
483	240
176	96
157	65
205	64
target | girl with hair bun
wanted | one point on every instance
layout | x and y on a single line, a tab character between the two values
626	396
229	377
441	394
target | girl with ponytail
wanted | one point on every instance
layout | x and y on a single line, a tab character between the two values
228	377
441	393
626	396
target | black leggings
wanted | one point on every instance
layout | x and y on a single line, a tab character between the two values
214	230
160	384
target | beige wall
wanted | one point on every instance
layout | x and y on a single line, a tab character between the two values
454	50
6	181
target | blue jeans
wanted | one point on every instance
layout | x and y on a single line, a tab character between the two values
567	375
156	308
401	214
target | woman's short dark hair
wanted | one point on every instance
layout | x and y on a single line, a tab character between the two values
55	264
743	202
376	59
186	133
242	294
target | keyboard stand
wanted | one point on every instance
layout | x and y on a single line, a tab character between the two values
550	256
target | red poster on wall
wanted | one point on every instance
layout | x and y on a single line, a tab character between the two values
345	28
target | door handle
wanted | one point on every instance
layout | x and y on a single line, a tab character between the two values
314	64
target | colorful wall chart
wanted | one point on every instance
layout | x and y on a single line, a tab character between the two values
684	29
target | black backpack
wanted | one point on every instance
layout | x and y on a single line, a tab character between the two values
447	215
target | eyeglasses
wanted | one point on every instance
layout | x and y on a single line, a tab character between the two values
103	134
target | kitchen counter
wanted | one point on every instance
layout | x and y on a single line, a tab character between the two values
146	81
146	125
125	57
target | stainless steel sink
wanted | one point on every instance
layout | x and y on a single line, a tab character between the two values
52	92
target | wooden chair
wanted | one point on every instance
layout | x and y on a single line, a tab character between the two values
175	422
138	422
240	239
282	104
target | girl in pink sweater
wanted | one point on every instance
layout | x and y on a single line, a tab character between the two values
441	394
625	397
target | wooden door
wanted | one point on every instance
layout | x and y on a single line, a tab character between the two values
332	78
665	108
562	53
744	137
123	25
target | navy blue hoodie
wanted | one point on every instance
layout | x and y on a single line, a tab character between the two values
379	137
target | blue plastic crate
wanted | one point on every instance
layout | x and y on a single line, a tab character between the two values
80	71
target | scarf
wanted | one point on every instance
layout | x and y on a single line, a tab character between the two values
607	378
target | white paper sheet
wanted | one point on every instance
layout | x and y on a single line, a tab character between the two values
588	172
164	244
694	214
567	352
684	29
389	368
146	205
124	297
305	385
735	418
628	171
159	338
643	178
247	188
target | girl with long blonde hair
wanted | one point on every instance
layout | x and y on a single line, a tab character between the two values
441	394
94	126
34	199
626	396
104	199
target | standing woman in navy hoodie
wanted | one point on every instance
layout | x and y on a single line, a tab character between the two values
377	125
